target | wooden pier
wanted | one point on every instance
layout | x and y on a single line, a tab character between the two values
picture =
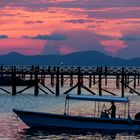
125	77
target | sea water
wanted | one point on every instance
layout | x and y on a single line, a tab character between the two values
12	128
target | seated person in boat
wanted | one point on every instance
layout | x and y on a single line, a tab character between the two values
112	109
104	113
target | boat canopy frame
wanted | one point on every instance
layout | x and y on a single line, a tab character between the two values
95	98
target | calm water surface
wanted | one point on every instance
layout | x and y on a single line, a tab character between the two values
13	129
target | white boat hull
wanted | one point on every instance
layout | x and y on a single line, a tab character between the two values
36	119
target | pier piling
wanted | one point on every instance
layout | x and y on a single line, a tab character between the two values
57	81
36	90
122	82
50	79
100	81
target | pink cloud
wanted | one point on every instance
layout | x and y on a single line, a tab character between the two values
77	40
66	50
113	46
21	45
84	22
132	41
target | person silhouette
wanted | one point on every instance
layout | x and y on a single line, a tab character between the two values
112	109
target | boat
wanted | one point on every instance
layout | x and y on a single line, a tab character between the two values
68	121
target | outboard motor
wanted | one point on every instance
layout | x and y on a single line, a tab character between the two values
137	116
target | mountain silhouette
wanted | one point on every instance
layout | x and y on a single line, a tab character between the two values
87	58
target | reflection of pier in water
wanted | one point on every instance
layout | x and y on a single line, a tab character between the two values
35	76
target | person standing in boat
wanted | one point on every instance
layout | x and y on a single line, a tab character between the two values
113	110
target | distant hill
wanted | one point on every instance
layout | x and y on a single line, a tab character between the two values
87	58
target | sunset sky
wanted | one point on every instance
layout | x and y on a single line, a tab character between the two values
65	26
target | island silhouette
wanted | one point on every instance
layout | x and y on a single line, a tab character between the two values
85	58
